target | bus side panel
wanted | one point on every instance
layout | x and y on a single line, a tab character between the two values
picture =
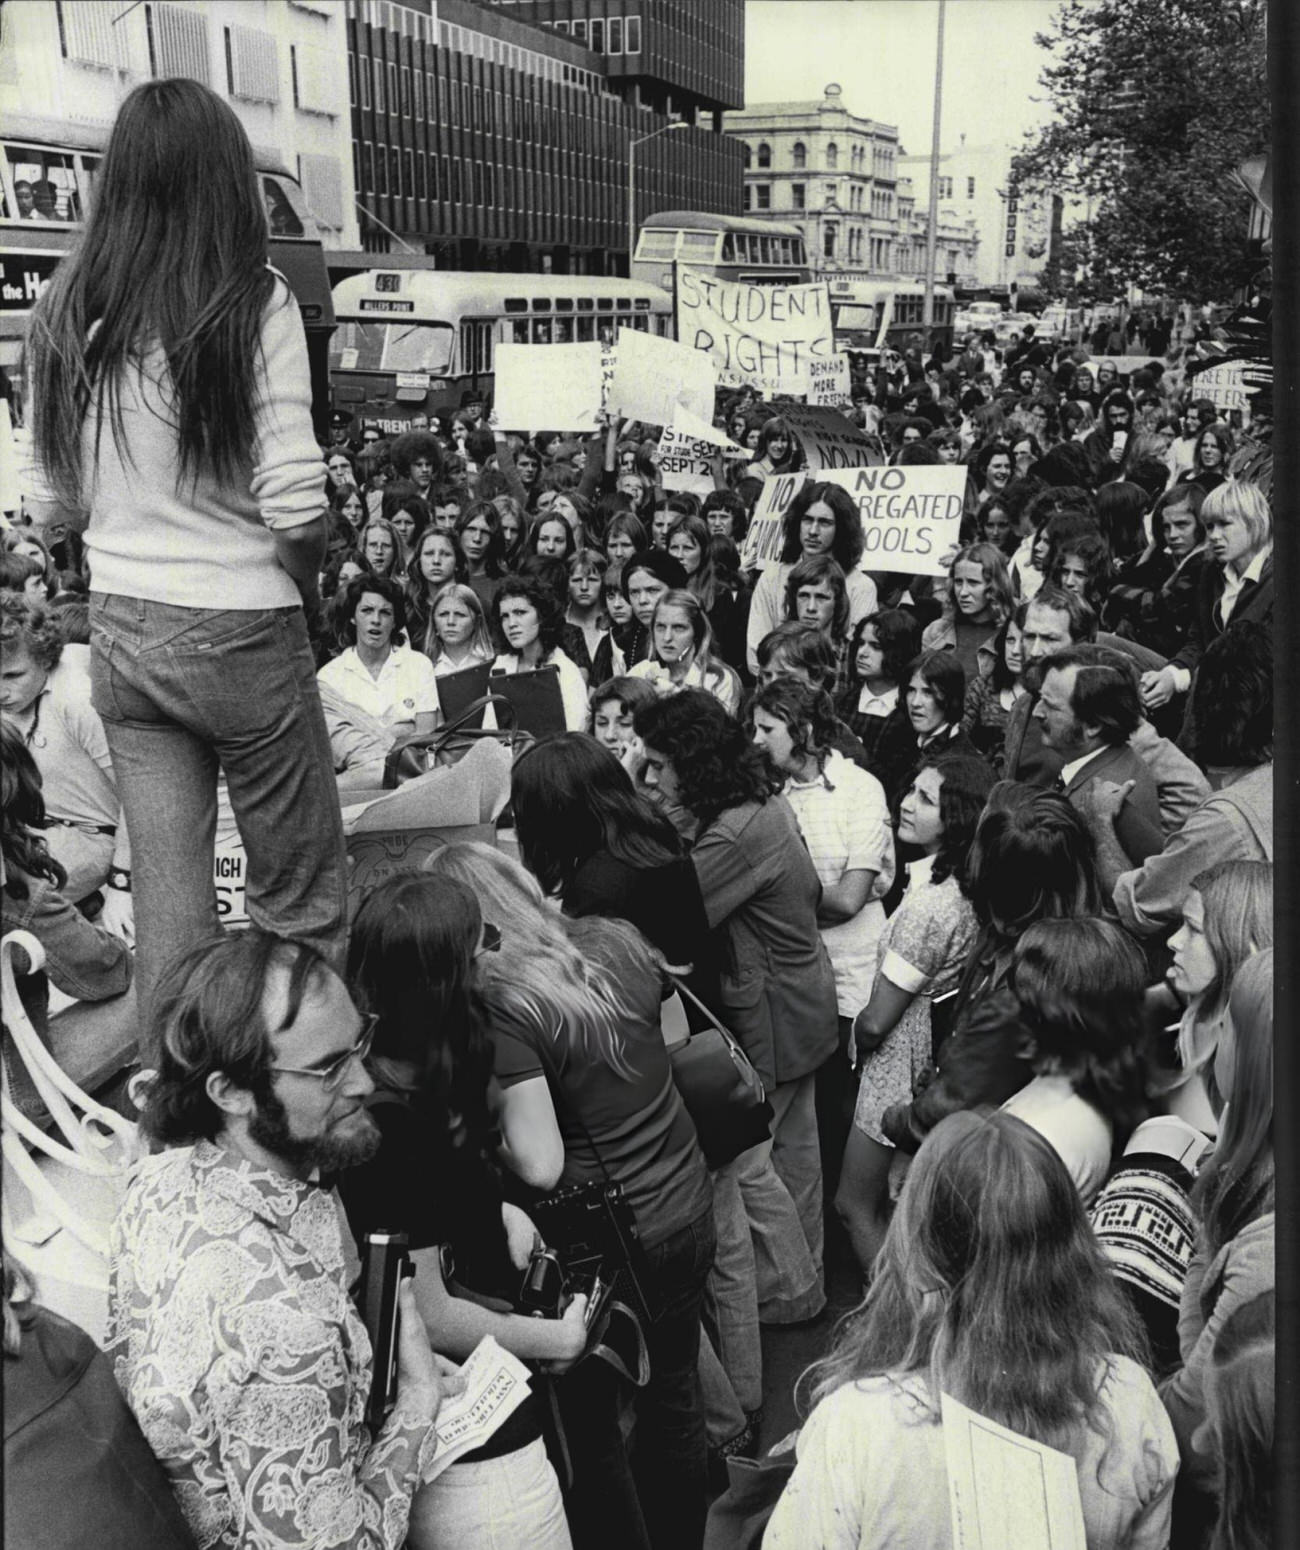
303	266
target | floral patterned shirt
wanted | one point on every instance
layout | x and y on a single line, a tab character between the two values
233	1337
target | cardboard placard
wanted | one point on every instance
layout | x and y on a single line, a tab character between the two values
761	335
548	387
1225	387
761	548
686	452
829	382
829	440
655	377
911	516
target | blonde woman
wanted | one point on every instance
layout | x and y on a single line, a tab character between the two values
588	1097
682	655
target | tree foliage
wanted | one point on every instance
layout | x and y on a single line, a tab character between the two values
1154	102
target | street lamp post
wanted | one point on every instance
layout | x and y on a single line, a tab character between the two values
631	182
932	236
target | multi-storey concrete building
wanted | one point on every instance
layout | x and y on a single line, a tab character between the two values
65	66
496	136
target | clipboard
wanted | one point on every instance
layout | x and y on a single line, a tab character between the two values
535	698
458	691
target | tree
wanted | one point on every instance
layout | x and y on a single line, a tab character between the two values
1155	103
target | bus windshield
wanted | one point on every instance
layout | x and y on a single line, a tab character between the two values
392	347
855	317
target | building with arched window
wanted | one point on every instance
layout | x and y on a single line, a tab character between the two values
836	175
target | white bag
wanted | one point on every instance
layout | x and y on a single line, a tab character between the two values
62	1186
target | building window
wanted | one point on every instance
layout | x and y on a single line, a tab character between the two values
832	193
764	154
368	166
747	201
799	155
418	93
406	91
828	242
614	44
763	196
970	188
832	155
597	35
363	82
378	65
945	188
352	81
632	38
395	172
746	155
798	193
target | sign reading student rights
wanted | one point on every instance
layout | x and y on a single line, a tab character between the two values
755	333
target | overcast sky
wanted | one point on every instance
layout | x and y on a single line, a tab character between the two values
882	53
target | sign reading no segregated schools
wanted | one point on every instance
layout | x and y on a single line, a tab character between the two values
761	335
910	516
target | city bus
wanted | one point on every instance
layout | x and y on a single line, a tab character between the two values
863	310
47	180
732	247
414	341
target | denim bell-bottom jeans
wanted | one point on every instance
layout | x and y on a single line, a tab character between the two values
186	694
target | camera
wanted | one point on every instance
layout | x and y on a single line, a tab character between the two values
545	1291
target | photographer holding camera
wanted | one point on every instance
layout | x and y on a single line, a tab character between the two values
411	965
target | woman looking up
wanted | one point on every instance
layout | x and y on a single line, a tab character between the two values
171	422
991	1288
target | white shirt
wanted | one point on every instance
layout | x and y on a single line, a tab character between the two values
767	608
1069	771
406	686
1232	584
878	704
573	692
844	819
1080	1134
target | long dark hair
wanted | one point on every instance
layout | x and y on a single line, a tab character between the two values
174	253
847	545
22	811
716	765
572	798
965	787
410	961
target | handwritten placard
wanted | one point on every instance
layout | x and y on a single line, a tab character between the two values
654	378
548	387
829	382
828	440
911	516
761	548
760	335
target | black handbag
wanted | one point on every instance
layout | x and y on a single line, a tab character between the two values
449	744
722	1091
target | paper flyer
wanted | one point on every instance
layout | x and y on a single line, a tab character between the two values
1006	1490
496	1384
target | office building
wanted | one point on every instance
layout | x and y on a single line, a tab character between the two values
281	64
839	176
496	136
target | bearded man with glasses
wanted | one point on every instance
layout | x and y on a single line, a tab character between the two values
231	1330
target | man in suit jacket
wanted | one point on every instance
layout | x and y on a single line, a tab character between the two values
1088	710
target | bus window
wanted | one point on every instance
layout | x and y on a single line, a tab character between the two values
374	346
44	184
586	304
280	214
586	329
520	327
656	246
699	247
729	248
640	321
563	330
541	330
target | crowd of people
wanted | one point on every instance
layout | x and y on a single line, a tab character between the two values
977	869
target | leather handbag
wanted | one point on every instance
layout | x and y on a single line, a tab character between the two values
722	1091
62	1187
449	744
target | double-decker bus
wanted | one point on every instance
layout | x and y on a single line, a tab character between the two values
47	181
413	340
732	247
888	312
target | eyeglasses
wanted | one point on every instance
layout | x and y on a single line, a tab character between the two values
331	1076
491	942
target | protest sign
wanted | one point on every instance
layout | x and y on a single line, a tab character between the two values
760	335
828	440
685	457
1225	386
910	516
761	548
608	358
654	377
548	387
829	381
